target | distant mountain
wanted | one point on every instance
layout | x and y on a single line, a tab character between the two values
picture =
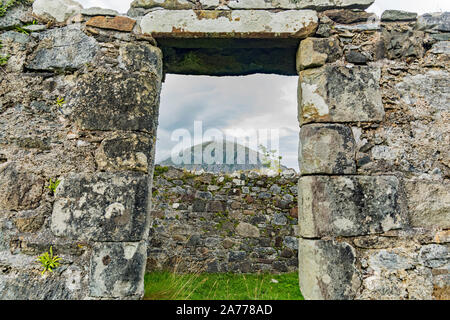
241	158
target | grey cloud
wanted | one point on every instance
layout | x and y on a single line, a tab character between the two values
251	102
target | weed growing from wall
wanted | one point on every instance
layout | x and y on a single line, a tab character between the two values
3	59
49	261
8	4
53	185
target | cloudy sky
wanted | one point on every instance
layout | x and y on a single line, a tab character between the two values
250	102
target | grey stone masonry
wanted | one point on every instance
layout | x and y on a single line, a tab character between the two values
340	94
117	270
327	149
102	207
327	270
251	4
333	206
62	49
230	23
315	52
79	105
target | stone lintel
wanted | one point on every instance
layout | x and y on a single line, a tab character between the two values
230	24
252	4
333	206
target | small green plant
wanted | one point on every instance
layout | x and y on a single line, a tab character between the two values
22	30
49	261
60	102
270	160
53	185
8	4
159	170
4	60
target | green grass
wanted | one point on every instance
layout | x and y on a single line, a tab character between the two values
207	286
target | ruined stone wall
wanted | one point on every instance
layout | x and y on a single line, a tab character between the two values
79	99
78	105
245	222
374	203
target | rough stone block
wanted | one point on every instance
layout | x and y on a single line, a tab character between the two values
125	151
117	270
327	270
166	4
289	4
441	47
19	190
393	274
348	205
247	230
439	21
13	17
435	256
340	94
141	57
66	283
315	52
347	16
101	207
402	43
116	101
252	4
230	23
56	10
428	204
398	15
66	48
112	23
96	11
327	149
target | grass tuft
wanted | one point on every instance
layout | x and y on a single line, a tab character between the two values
163	285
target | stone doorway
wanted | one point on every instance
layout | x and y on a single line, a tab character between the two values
373	196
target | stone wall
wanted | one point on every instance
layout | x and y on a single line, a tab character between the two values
79	99
78	105
245	222
374	206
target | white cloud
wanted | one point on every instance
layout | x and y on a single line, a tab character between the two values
230	103
419	6
120	5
